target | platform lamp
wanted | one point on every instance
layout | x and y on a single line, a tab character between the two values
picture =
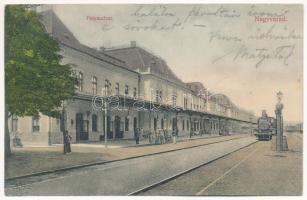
105	110
279	96
279	122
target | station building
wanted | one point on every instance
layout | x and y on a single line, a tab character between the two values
141	90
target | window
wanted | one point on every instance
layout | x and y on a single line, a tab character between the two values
185	102
162	123
134	93
80	82
117	88
35	124
188	125
121	128
157	96
106	83
155	124
107	86
94	123
94	85
126	124
14	123
174	99
126	90
183	124
160	95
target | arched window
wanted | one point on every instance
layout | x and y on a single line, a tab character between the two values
94	85
126	90
35	124
80	81
94	122
155	124
174	100
107	86
117	88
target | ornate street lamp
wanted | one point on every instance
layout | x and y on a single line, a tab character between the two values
279	96
279	105
279	122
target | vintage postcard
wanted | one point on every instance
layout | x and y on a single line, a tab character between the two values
153	99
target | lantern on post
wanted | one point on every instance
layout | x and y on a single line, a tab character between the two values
279	122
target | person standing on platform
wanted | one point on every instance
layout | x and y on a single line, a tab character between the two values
137	135
67	138
175	134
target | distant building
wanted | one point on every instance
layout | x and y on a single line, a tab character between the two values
293	127
147	94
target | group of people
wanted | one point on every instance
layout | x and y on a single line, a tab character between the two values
138	132
159	136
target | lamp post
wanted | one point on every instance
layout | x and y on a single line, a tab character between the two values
105	109
63	126
279	122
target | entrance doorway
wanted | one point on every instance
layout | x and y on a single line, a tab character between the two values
174	124
109	133
117	126
155	124
81	128
135	123
162	123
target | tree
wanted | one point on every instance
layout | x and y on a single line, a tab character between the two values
35	81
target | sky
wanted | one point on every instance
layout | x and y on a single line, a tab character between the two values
247	52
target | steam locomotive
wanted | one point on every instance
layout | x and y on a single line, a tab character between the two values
266	127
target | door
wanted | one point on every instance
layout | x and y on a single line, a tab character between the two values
109	132
135	123
155	124
162	123
118	132
81	128
174	124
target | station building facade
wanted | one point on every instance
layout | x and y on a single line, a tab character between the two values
141	91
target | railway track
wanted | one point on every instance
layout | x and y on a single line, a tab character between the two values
9	182
151	186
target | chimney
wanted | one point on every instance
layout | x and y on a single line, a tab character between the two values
132	43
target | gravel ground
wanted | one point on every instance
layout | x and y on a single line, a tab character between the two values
36	159
255	170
